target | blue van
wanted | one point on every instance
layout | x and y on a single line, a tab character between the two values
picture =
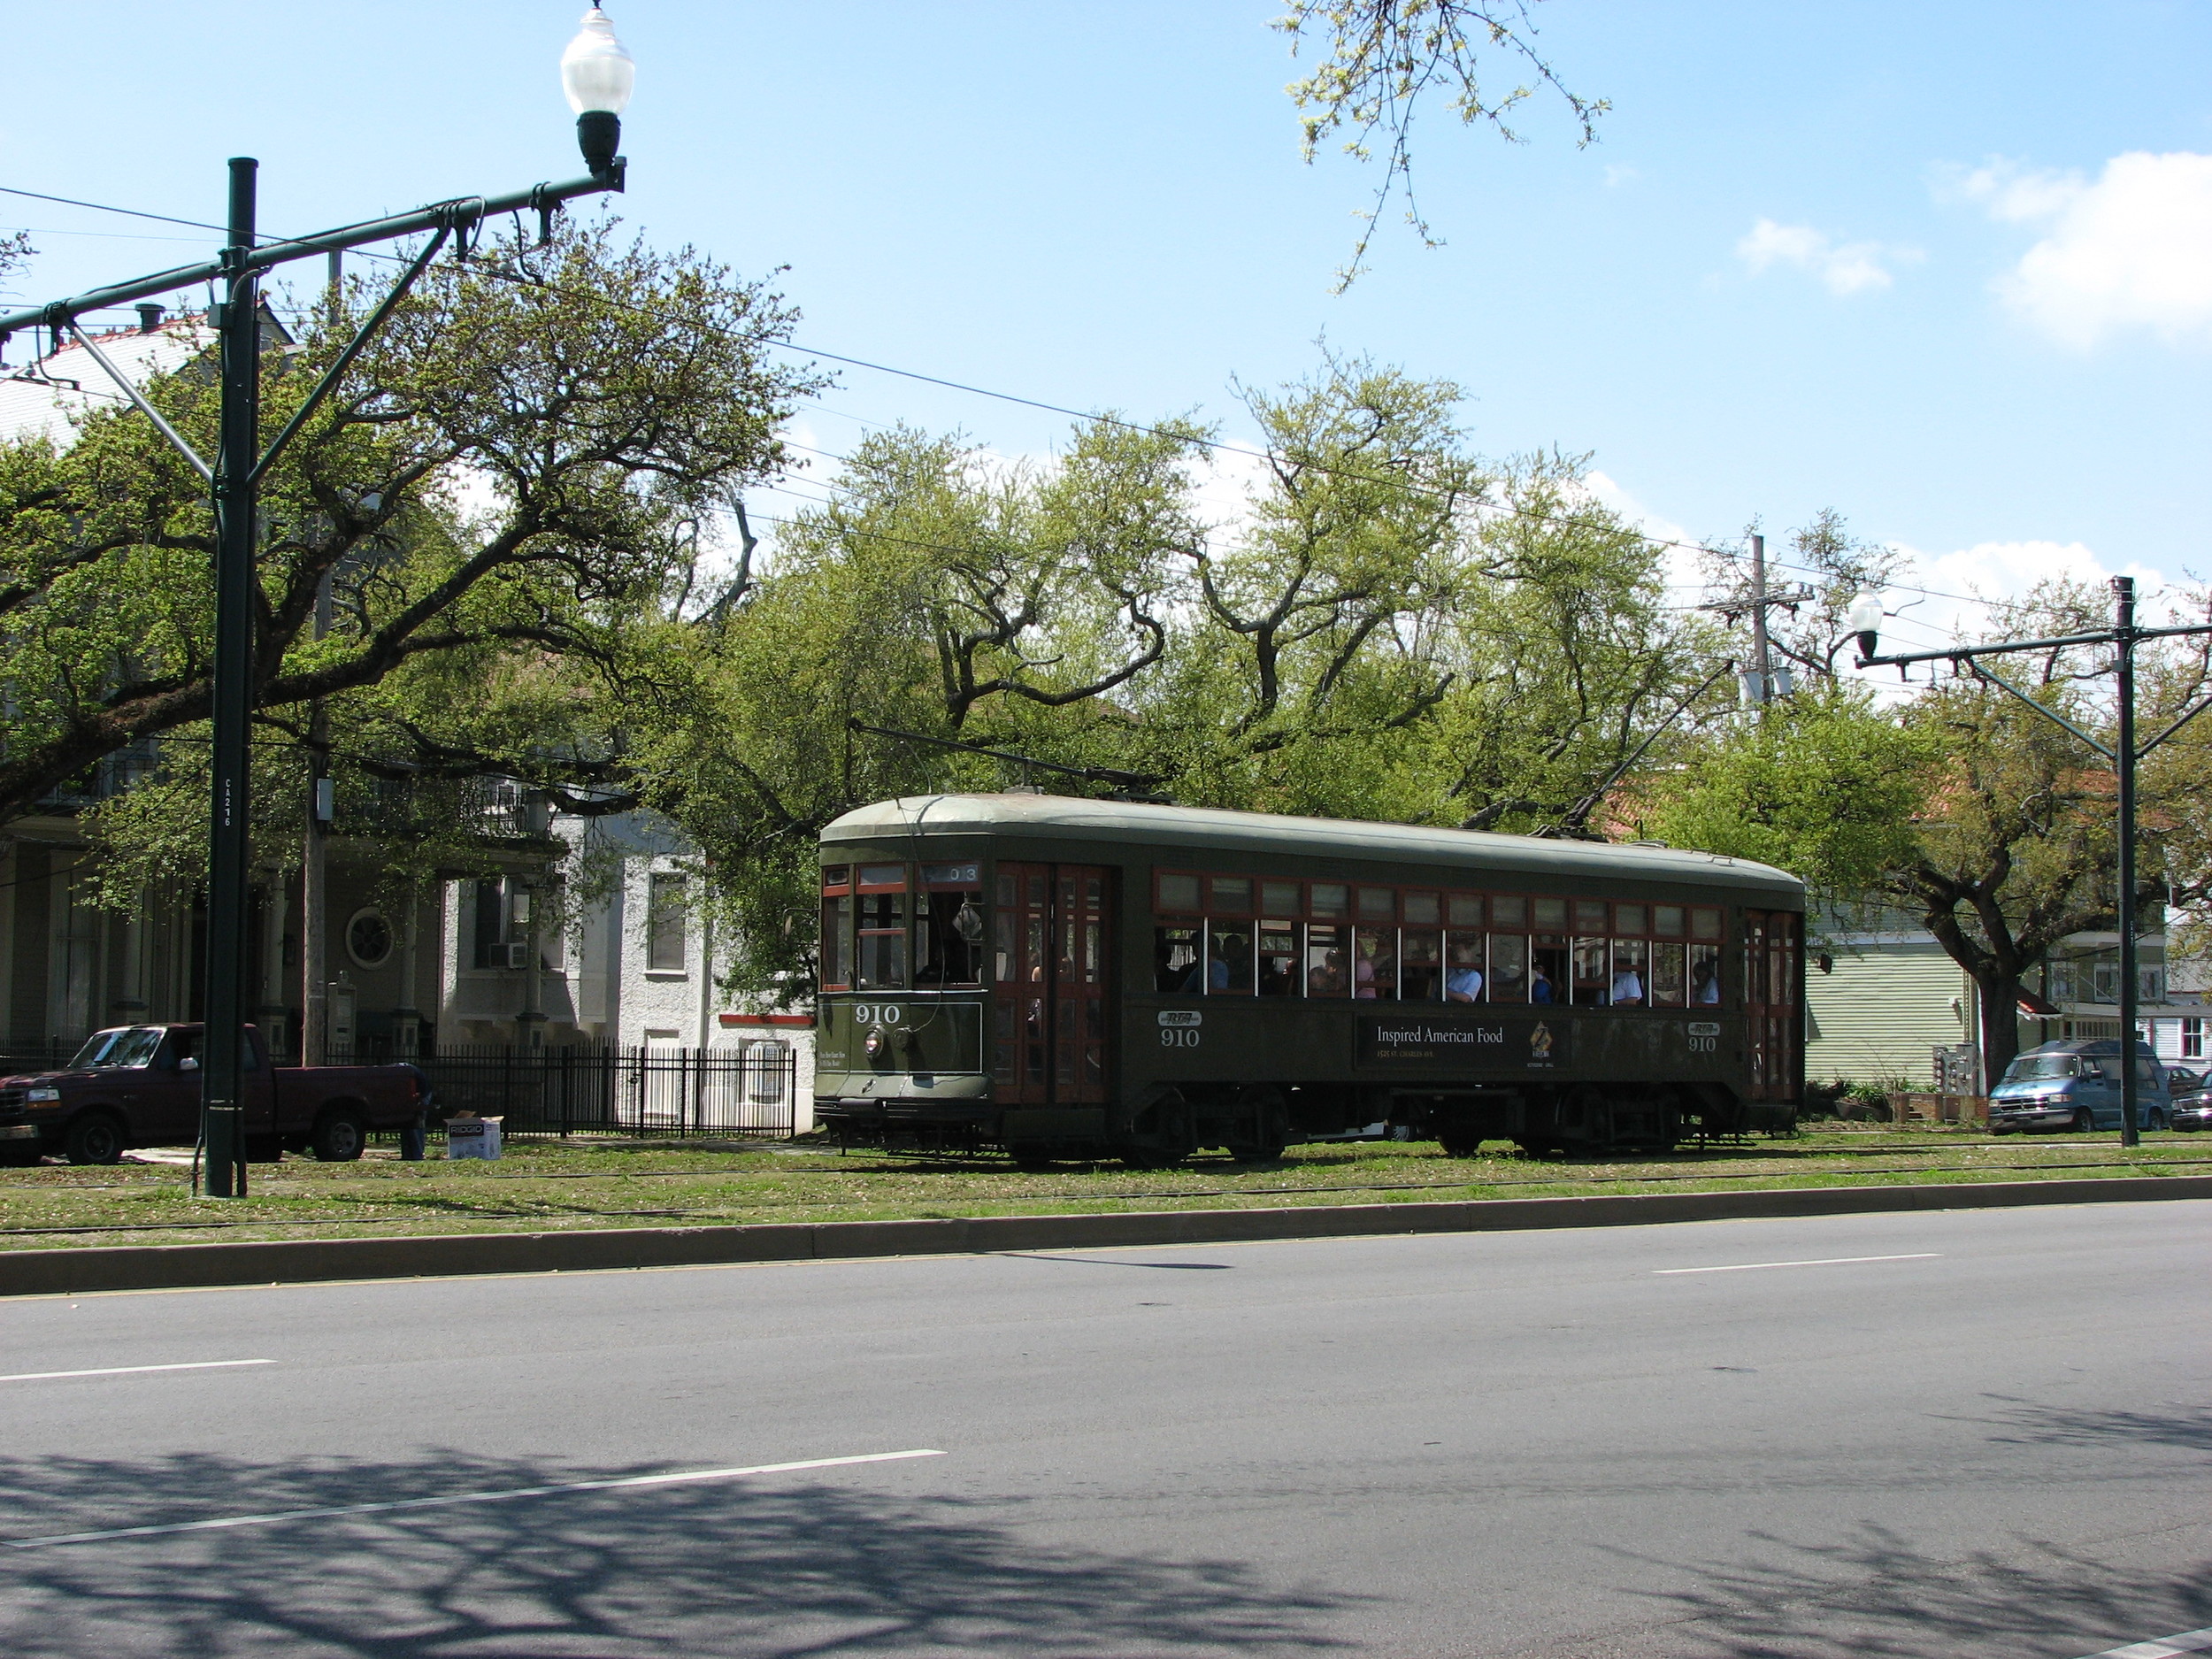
2077	1085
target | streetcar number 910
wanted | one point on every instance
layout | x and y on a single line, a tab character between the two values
873	1014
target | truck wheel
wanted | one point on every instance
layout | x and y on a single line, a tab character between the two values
95	1138
339	1136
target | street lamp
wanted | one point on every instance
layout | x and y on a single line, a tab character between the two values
1865	619
597	74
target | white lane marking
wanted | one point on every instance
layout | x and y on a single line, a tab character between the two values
462	1497
1825	1261
2188	1641
127	1371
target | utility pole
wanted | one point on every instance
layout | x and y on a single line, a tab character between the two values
2124	753
1759	682
1761	656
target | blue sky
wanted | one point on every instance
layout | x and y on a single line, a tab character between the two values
1946	268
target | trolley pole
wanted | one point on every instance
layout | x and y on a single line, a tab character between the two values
2124	752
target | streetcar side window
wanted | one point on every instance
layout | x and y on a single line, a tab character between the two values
1508	966
1375	960
1280	898
1670	975
1231	895
1178	958
1278	957
1228	957
1420	962
1592	985
837	927
1705	965
1178	892
1328	953
1704	976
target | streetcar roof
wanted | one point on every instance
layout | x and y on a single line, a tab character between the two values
1068	818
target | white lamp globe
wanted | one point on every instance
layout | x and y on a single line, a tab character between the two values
1864	619
596	72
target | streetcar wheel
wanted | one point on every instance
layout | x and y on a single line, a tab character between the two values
1028	1155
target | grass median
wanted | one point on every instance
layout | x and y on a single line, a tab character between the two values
562	1186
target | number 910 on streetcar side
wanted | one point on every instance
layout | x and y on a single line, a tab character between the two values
1066	978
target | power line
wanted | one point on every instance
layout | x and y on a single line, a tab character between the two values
1214	444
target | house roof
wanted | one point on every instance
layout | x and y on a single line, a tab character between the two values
51	398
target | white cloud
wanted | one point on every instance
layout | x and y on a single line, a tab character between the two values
2130	249
1616	176
1847	267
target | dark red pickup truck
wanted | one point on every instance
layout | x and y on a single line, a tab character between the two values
139	1086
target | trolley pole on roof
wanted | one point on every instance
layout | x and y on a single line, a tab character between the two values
596	75
2124	753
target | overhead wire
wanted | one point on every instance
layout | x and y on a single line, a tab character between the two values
1212	444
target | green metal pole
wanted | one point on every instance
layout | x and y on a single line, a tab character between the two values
2124	639
222	1102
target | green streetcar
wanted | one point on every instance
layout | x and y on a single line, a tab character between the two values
1067	977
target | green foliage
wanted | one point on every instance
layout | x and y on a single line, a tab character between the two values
1822	784
499	502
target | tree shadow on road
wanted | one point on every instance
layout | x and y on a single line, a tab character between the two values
791	1565
1877	1595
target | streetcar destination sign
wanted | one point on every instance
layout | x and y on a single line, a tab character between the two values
1528	1044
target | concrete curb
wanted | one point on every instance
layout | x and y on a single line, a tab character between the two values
186	1266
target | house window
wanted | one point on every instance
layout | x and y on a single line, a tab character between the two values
2193	1039
665	914
369	939
491	929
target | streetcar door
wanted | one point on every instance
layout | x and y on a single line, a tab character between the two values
1772	943
1078	1021
1051	952
1021	986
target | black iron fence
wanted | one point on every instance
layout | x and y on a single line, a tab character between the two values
750	1092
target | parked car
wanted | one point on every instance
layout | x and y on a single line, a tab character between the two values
2077	1085
139	1086
2192	1108
2181	1080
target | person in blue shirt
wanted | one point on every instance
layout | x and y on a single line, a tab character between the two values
1538	984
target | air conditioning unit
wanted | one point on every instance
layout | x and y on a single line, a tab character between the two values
519	956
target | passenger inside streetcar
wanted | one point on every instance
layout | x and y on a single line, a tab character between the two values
1462	983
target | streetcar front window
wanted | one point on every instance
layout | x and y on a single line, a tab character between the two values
949	935
882	917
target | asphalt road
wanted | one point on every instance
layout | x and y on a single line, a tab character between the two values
1992	1445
